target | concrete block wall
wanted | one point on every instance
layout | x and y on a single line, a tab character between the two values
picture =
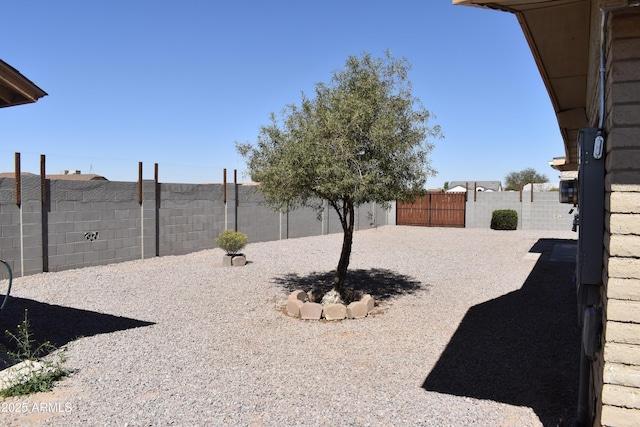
617	367
86	223
545	212
258	222
190	217
91	223
20	228
302	222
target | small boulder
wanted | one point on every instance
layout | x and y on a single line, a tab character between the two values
335	311
239	260
311	311
298	295
293	307
357	310
369	301
331	297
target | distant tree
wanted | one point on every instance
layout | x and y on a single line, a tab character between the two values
445	187
363	138
525	176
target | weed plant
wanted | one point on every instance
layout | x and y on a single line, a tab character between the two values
39	374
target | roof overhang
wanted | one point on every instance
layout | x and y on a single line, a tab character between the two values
558	34
16	89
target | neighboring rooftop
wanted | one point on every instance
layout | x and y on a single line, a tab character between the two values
74	176
479	185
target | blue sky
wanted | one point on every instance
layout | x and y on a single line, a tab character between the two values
178	82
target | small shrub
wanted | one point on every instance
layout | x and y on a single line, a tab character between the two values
505	219
231	241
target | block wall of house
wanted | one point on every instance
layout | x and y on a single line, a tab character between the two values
617	369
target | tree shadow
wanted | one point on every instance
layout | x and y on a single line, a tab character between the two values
57	324
522	348
380	283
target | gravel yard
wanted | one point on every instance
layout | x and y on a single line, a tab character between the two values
473	329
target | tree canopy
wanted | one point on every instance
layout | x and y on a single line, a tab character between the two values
364	137
525	176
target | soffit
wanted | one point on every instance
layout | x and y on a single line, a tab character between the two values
558	35
16	89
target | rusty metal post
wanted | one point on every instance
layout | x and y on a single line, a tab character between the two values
156	182
43	179
18	176
140	182
224	186
235	185
532	192
475	190
521	185
235	203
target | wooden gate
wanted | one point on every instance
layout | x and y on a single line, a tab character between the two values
433	210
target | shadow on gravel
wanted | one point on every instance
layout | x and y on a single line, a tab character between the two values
381	284
522	348
57	324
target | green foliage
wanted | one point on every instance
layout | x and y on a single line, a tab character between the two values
35	381
231	241
363	138
24	343
32	379
525	176
505	219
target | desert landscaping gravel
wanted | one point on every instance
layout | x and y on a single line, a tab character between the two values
184	341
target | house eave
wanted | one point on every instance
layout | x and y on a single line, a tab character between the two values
557	32
16	89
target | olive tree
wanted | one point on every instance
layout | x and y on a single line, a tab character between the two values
362	138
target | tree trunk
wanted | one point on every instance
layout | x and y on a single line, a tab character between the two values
347	219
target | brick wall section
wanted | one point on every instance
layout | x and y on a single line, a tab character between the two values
619	363
544	213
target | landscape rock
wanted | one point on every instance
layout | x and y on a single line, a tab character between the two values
311	311
335	311
293	307
357	310
369	301
239	260
331	297
299	295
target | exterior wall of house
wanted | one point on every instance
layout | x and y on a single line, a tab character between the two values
617	368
